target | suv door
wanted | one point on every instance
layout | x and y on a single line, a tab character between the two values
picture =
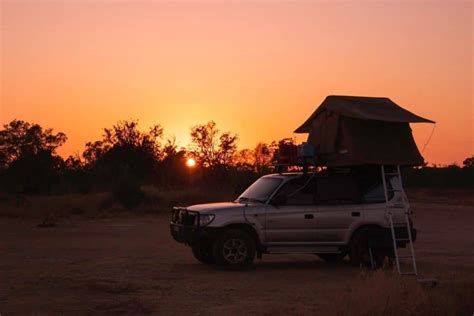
338	207
292	222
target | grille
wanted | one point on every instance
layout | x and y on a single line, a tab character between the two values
184	217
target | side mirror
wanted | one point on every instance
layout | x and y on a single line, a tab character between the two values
278	200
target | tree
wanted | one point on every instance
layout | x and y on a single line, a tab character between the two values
227	149
124	149
28	157
263	154
173	164
125	134
245	160
212	149
469	162
20	139
75	175
73	162
33	173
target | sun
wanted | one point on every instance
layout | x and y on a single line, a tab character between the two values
190	162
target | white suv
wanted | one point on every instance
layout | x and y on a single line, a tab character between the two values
331	214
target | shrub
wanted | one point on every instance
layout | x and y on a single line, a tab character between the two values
128	192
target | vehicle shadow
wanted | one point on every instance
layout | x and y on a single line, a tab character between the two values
280	264
303	265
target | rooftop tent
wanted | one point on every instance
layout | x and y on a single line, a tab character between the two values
349	131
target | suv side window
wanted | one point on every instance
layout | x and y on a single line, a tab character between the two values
371	187
337	190
299	191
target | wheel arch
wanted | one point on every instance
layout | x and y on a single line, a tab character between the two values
363	227
247	228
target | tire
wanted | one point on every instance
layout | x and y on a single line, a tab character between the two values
234	250
203	254
332	257
359	251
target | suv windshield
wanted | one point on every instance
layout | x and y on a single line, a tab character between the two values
260	190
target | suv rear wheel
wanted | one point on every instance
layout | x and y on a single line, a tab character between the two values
203	254
234	249
359	251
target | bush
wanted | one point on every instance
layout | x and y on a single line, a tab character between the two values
128	192
439	177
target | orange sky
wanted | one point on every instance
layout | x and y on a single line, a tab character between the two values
257	68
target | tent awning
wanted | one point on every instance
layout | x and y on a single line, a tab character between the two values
367	108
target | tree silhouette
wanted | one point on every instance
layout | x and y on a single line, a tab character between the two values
19	139
263	154
173	165
28	157
124	149
227	149
211	149
125	134
245	160
468	162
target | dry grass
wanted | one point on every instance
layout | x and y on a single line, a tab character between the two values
53	206
386	293
102	204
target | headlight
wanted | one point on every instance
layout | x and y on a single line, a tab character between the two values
205	219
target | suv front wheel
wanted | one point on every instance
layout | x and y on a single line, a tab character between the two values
234	249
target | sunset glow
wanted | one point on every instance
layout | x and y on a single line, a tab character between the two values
258	69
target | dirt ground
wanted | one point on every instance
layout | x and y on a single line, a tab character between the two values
131	265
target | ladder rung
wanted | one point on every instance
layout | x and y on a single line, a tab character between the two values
391	173
403	257
394	190
402	239
396	206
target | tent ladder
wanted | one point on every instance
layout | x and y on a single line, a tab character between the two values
402	232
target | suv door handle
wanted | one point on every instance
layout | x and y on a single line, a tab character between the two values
308	216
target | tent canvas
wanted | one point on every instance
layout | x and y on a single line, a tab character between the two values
348	131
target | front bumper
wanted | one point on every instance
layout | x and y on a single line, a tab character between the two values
192	235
